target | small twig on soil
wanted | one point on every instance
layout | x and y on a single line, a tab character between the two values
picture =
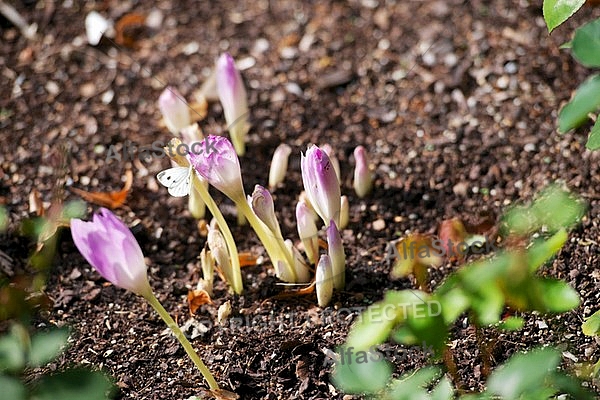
486	354
452	369
17	20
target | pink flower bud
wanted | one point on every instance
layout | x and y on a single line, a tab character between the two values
363	179
321	184
324	281
279	165
232	95
262	205
110	247
174	109
307	230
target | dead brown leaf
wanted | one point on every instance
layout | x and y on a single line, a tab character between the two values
111	200
197	298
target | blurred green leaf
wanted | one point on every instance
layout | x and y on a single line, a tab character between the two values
375	324
412	385
523	373
11	388
360	377
543	250
74	209
593	142
553	208
566	45
443	390
73	384
591	326
3	219
512	324
558	11
557	296
46	346
557	208
586	44
454	302
585	101
12	353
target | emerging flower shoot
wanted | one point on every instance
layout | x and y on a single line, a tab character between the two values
344	212
232	95
337	256
302	271
174	109
218	249
308	232
363	179
263	207
279	165
321	184
324	281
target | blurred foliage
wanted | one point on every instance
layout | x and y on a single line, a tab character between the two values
483	289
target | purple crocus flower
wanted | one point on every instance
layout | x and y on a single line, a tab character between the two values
218	163
232	95
321	184
110	247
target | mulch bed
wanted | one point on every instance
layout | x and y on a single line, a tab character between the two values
456	103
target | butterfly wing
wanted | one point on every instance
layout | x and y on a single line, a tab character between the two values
177	180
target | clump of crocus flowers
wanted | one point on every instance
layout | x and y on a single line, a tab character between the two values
220	168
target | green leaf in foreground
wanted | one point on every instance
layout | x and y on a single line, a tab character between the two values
46	346
352	376
586	44
74	384
591	326
523	373
12	388
593	142
512	324
585	101
558	11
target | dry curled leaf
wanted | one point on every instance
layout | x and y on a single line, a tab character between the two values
247	259
197	298
128	27
111	200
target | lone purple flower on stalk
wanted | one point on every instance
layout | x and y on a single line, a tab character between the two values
110	247
321	184
232	95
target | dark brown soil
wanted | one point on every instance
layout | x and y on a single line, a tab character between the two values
455	101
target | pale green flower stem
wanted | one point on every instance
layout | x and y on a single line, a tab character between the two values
151	298
275	248
236	275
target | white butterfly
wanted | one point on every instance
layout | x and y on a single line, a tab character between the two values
177	179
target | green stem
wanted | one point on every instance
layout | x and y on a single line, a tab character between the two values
276	249
151	298
237	285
